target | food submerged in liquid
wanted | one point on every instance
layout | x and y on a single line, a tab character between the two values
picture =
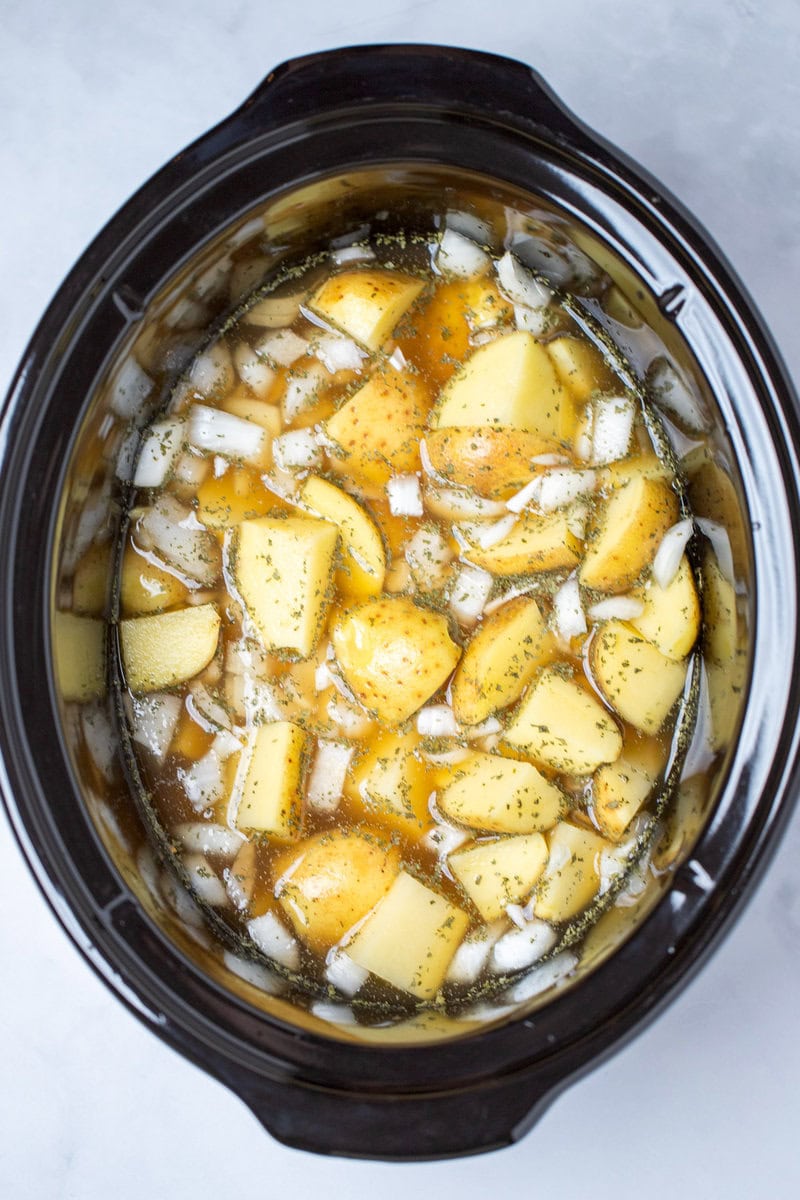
403	621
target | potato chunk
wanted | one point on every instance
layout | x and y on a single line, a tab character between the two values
392	784
500	660
165	649
146	587
493	462
561	726
268	782
580	367
722	621
92	581
377	431
535	543
572	877
363	559
366	304
509	383
455	310
632	524
283	569
410	938
635	677
499	872
330	881
393	655
671	617
79	648
500	795
620	789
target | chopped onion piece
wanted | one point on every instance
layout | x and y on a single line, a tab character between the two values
399	361
181	902
437	720
718	536
274	312
522	947
323	678
302	389
282	347
456	504
510	593
153	722
328	775
541	978
203	782
296	450
191	468
352	721
443	839
160	448
470	226
568	610
446	758
519	284
272	936
221	432
261	700
617	608
489	534
559	487
253	370
670	552
523	497
101	741
338	353
254	973
225	745
532	320
204	837
209	713
212	370
428	555
672	393
347	254
612	426
460	256
577	520
469	960
345	975
469	593
334	1014
205	881
175	533
405	496
486	729
130	389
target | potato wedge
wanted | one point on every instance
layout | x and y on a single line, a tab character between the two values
79	649
390	783
165	649
572	877
631	526
283	569
500	795
499	872
329	882
92	581
620	789
393	655
560	725
508	383
671	617
455	310
535	543
268	416
267	791
146	587
366	304
580	367
363	566
493	462
410	937
236	496
377	431
634	676
500	660
639	466
721	618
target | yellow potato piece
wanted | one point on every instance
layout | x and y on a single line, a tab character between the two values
632	524
620	789
363	559
330	881
634	676
580	367
393	655
267	786
671	616
165	649
500	795
535	543
512	383
366	304
146	587
410	938
493	462
572	877
79	648
377	431
283	569
91	584
722	623
446	321
390	783
561	726
268	416
638	466
500	660
236	496
499	872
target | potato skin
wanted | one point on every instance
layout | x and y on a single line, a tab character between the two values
559	725
639	682
377	431
493	462
164	649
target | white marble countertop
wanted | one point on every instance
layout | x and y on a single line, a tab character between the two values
93	99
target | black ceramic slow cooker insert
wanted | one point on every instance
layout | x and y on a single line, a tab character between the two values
324	143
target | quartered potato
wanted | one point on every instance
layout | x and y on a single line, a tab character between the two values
500	660
283	568
629	532
500	795
92	581
671	616
637	466
493	462
267	787
500	872
165	649
561	726
620	789
391	784
580	367
572	877
376	432
535	543
79	648
638	681
329	882
721	618
455	310
363	561
146	587
366	304
410	937
393	655
509	383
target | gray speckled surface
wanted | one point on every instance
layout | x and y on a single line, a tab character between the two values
94	99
